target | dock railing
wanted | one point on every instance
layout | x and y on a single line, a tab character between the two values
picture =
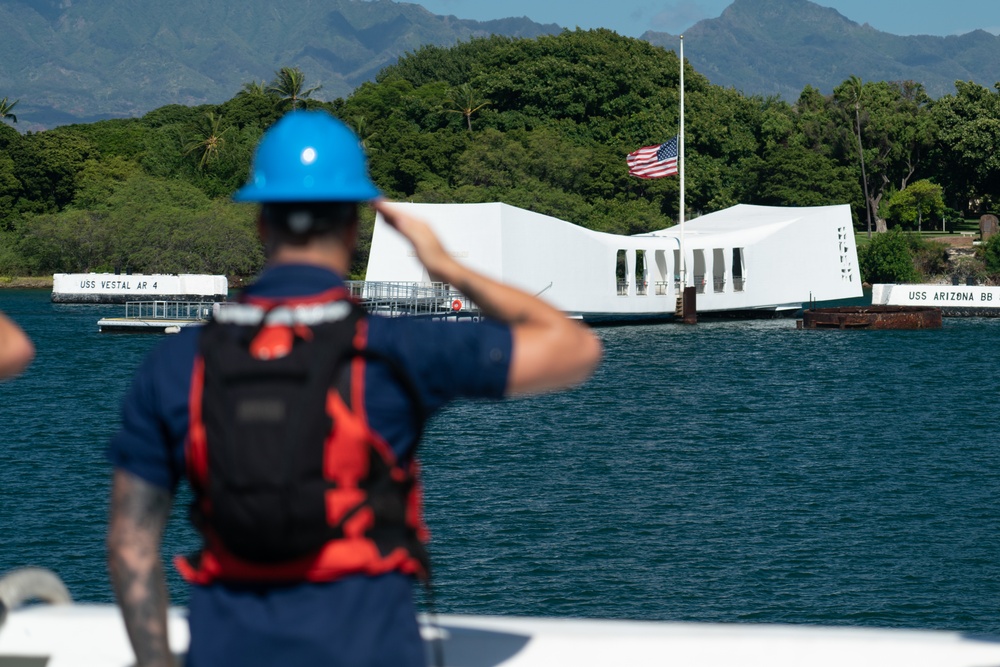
412	299
168	310
392	299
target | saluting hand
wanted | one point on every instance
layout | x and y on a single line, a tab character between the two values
430	252
550	351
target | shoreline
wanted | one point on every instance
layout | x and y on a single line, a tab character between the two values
25	282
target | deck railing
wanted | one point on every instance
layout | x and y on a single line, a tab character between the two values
394	299
401	298
168	310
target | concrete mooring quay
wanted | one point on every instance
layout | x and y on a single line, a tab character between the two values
871	317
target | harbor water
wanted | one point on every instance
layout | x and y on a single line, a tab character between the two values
729	471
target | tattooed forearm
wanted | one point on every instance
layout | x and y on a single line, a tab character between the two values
139	512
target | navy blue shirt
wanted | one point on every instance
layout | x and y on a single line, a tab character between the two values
357	620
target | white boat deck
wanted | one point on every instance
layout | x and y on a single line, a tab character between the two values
94	636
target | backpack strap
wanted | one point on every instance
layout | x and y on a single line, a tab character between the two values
406	382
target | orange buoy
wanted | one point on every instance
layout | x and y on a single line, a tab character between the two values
456	305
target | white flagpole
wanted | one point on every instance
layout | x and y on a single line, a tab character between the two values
680	158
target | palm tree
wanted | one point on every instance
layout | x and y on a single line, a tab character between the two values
464	100
289	83
206	138
253	89
5	108
361	128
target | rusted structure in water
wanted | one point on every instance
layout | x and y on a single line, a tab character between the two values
871	317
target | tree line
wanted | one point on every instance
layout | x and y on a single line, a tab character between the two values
543	123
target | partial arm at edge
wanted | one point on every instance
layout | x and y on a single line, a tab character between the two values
16	349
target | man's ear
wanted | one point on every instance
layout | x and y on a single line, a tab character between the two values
262	231
351	234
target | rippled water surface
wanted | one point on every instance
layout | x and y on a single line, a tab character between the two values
736	471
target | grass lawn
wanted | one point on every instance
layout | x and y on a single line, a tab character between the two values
952	227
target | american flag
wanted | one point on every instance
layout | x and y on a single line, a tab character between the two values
654	161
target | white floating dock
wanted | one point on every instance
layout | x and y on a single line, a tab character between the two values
159	316
124	325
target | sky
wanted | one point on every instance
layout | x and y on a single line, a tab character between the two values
634	17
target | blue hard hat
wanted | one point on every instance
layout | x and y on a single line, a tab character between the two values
308	156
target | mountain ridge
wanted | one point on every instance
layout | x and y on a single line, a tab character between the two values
84	60
777	47
90	59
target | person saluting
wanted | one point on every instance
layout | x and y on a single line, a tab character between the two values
296	416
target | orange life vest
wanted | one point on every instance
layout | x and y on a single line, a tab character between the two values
291	483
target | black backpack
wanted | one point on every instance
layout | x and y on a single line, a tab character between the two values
265	389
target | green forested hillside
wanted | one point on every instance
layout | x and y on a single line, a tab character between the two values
543	123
